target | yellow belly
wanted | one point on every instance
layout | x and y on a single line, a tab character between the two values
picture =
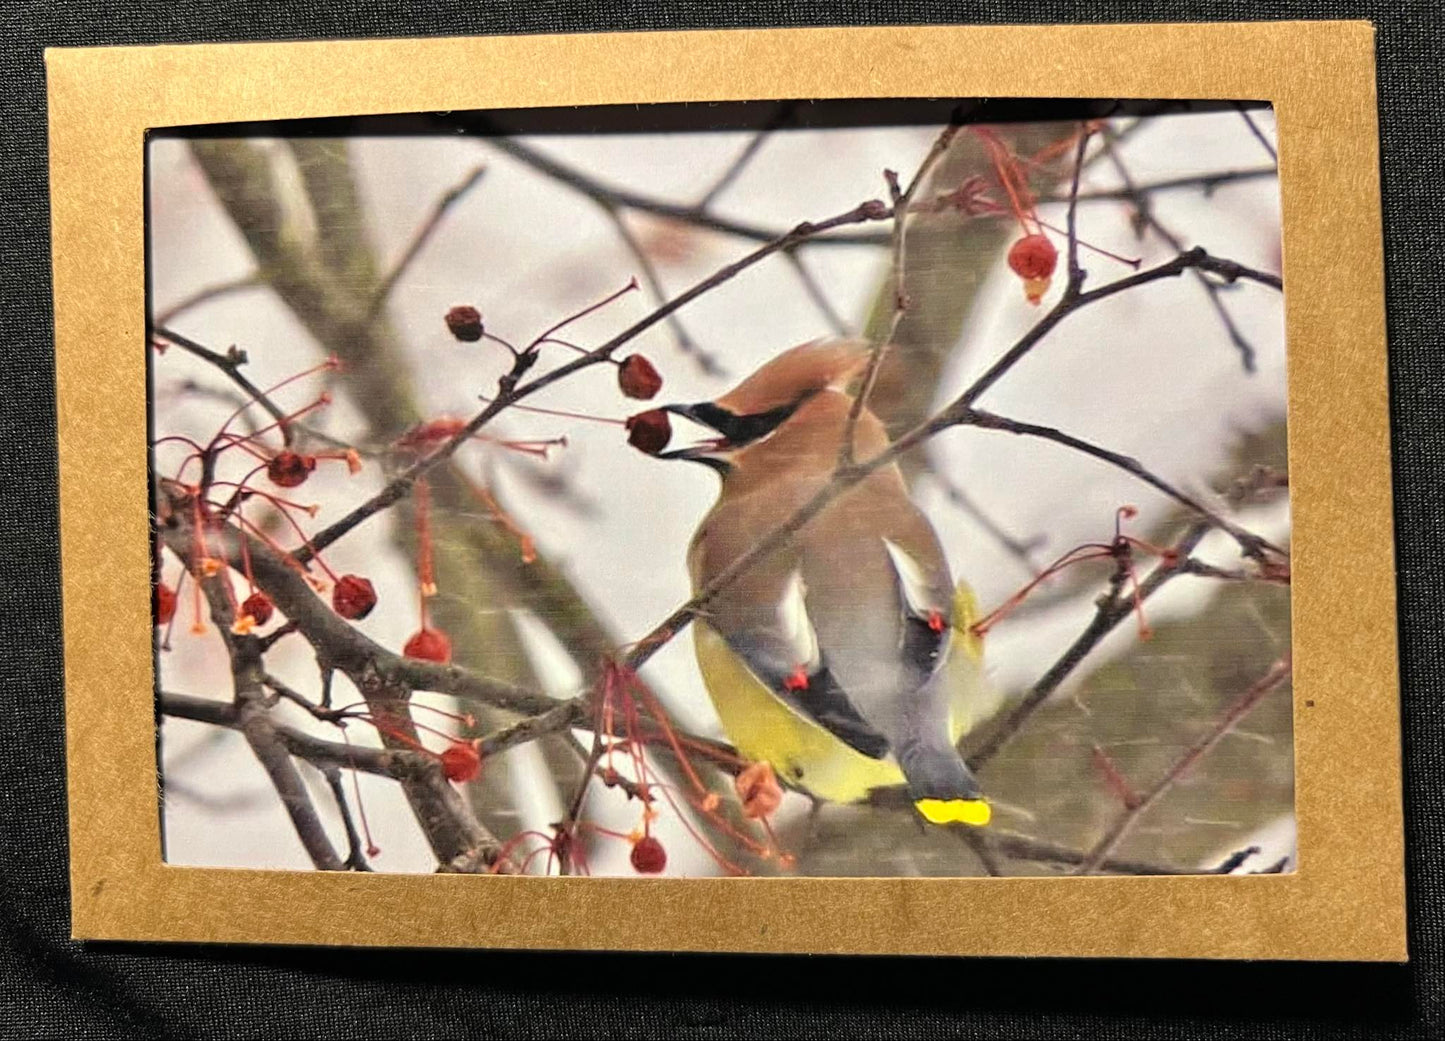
764	729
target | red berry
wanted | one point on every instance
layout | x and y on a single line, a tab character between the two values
165	603
637	378
259	606
461	762
649	431
353	597
429	645
1033	257
648	856
288	469
465	322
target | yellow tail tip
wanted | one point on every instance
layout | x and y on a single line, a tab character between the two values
954	811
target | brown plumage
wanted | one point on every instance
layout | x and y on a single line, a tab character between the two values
849	624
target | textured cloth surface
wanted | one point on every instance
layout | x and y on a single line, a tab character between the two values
49	985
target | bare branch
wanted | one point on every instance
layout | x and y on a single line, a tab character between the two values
1279	673
1251	544
1021	550
1144	214
356	855
1207	182
690	214
902	201
1110	611
420	238
817	294
208	294
706	360
254	722
230	363
734	169
1254	129
384	762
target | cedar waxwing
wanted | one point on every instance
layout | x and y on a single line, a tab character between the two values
844	659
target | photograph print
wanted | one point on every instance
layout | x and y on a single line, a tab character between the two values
882	488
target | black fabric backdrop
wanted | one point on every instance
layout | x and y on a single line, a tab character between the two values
49	985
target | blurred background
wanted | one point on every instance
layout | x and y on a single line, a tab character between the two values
1188	377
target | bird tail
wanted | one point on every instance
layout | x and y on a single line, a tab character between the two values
941	786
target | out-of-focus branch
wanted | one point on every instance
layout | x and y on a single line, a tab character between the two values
1025	847
1146	218
734	169
420	237
898	290
1277	676
1207	182
1254	129
1021	550
706	360
817	294
207	294
693	214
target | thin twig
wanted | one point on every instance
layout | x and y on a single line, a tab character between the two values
420	237
706	360
1026	847
1257	132
1076	273
1112	609
1021	550
229	363
901	200
1144	210
817	294
689	214
320	753
253	720
1251	544
734	169
208	294
563	716
1207	182
1278	674
356	849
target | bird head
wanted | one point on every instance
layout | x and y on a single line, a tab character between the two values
765	401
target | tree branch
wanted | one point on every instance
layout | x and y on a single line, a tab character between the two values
902	201
611	195
1112	609
420	238
254	723
230	364
1277	676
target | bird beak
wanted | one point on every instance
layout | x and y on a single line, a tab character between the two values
704	414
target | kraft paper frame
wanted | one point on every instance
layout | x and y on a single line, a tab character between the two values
1345	901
